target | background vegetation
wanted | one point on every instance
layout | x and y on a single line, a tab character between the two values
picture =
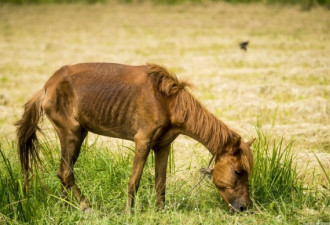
306	4
278	91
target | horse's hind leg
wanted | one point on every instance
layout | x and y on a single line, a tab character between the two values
59	106
71	136
71	140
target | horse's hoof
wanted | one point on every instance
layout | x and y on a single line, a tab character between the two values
128	211
88	211
84	206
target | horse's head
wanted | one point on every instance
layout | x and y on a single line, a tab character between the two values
230	174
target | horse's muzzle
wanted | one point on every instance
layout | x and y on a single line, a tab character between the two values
237	206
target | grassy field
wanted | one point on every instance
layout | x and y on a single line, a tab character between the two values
277	91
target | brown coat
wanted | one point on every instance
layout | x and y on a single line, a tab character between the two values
145	104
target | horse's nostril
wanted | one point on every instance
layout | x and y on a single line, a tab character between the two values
242	208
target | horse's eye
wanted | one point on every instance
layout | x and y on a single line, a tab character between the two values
238	173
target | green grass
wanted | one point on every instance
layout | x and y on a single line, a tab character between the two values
279	194
276	185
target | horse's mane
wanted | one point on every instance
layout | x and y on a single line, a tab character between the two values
168	83
195	116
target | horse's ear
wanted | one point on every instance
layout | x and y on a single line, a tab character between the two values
207	171
233	147
250	142
237	142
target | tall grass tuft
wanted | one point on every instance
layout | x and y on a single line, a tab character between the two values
276	184
15	204
275	176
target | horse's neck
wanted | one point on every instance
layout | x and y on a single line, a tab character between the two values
204	127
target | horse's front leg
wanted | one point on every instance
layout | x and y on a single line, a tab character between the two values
142	149
161	158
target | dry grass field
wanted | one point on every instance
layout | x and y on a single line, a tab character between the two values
281	83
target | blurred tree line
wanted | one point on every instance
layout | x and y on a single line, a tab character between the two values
305	4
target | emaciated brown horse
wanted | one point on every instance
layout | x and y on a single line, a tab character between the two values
145	104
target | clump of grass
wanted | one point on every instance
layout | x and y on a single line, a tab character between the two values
14	203
275	176
275	182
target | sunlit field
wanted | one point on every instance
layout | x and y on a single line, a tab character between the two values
277	91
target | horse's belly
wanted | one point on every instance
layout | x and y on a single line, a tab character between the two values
108	129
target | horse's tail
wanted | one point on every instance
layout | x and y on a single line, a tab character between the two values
26	132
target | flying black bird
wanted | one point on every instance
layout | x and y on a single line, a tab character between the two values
244	45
